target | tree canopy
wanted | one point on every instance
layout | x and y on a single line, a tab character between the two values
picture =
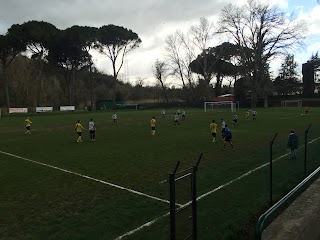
116	42
264	29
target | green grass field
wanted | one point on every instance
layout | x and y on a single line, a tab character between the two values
77	199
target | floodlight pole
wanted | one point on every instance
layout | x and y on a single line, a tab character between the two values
270	165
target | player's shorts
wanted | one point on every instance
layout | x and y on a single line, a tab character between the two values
307	112
28	128
92	131
176	121
222	131
235	120
114	120
228	139
214	134
79	134
153	128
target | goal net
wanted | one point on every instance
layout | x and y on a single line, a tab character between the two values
224	105
291	103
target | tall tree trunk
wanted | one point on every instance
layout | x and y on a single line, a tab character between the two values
70	82
218	85
184	87
6	85
254	94
164	91
40	83
92	90
73	87
70	90
114	83
114	91
191	89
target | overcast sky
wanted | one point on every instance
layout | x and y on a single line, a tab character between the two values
151	20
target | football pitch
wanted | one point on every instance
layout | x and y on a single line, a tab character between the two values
116	188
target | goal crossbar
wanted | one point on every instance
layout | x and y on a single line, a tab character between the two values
221	104
291	103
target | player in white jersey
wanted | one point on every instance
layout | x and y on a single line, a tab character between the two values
92	130
176	119
183	114
254	114
163	113
114	117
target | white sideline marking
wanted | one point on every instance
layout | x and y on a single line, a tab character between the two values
142	226
293	116
90	178
207	194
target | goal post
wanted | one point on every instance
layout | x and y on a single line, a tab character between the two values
291	103
211	106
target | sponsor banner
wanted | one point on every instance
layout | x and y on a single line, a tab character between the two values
67	108
18	110
44	109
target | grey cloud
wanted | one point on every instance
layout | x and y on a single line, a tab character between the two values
148	18
140	16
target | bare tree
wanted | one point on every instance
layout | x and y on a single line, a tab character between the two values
262	32
179	60
161	72
201	34
182	49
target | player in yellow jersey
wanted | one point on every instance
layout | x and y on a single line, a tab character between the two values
247	115
78	128
153	126
213	129
27	123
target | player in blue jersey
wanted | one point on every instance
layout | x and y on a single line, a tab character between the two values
227	138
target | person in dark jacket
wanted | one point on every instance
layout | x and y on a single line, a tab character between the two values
293	144
227	138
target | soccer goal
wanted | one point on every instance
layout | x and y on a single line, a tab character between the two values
291	103
224	105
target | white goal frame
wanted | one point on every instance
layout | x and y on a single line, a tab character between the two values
236	108
285	103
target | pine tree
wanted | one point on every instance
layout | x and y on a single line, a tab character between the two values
287	81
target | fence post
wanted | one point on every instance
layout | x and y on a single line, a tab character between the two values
305	149
173	203
270	165
172	208
194	203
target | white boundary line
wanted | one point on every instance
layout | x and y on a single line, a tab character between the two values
208	193
90	178
292	116
142	226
